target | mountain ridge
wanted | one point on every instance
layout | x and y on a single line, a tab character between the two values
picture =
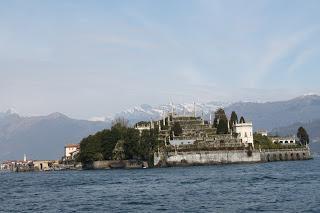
42	137
45	136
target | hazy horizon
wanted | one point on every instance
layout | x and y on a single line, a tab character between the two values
107	117
88	59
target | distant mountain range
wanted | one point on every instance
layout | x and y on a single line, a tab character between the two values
43	137
270	115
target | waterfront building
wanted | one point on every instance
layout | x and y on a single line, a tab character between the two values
44	165
284	140
262	132
17	165
245	133
70	150
6	165
143	125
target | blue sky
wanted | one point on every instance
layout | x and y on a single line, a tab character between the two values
95	58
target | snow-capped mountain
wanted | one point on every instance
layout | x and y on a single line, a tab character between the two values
147	112
45	136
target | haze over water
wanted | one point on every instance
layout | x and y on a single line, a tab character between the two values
291	186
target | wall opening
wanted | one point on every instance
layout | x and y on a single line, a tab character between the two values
274	157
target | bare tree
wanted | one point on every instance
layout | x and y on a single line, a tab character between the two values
120	122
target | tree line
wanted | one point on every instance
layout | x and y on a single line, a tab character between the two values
133	145
222	123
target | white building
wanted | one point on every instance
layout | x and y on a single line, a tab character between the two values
70	150
144	126
284	140
262	132
245	133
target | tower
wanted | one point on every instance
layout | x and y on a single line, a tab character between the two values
164	118
202	117
245	133
194	109
172	108
25	158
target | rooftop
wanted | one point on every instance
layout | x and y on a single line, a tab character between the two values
72	145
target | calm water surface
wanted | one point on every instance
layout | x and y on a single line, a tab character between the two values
280	186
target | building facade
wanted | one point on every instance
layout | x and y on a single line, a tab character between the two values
284	140
245	133
70	150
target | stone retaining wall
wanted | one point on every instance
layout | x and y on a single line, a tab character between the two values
207	157
285	155
229	156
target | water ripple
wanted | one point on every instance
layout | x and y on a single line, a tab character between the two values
270	187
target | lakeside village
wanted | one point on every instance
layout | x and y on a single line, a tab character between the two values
175	140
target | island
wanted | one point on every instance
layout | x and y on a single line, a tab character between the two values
184	140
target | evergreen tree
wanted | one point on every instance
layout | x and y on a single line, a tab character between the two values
242	120
303	136
222	127
131	144
218	116
221	122
233	119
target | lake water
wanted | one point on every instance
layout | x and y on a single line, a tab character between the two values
292	186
